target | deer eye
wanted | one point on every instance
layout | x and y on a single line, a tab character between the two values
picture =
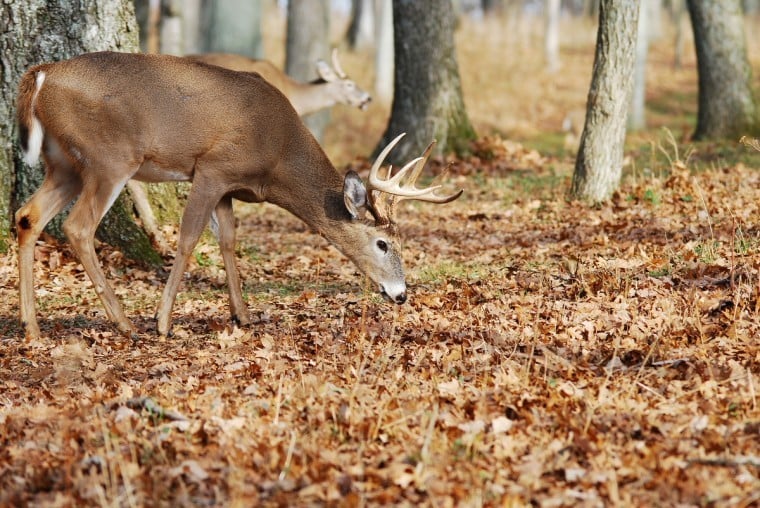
382	245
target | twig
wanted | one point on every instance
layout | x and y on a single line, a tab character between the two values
727	462
288	457
147	403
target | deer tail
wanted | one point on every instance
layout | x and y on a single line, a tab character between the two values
30	128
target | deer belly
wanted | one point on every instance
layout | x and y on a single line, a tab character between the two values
152	172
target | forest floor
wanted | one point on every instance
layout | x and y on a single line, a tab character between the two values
549	354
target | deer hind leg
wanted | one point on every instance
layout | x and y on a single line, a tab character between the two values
225	220
98	195
57	190
194	219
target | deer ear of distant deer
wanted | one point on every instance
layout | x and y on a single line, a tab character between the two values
325	71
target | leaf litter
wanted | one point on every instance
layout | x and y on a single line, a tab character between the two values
550	354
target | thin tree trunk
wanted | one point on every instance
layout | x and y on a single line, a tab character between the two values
637	120
551	36
427	101
726	105
599	164
384	52
234	26
361	28
34	31
678	9
308	41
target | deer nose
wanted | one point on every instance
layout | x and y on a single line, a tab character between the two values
400	298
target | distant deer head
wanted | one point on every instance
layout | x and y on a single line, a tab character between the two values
340	88
101	119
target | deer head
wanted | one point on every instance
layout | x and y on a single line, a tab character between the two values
340	87
382	257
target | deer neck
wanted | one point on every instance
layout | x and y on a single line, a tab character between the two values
309	98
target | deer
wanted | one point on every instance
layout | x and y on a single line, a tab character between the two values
101	119
333	86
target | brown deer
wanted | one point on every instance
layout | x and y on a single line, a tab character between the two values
334	86
100	119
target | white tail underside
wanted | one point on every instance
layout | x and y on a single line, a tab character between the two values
34	143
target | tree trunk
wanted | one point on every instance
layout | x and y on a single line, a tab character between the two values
551	35
427	102
172	37
678	8
308	34
637	120
233	26
599	164
384	52
726	106
361	28
191	23
35	31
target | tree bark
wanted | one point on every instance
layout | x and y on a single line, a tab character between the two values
599	164
726	105
34	31
427	102
308	34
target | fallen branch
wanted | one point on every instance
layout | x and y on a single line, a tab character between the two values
148	404
727	462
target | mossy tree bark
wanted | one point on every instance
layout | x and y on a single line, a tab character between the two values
35	31
727	108
427	101
599	164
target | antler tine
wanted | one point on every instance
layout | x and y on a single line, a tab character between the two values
411	172
336	65
373	178
393	185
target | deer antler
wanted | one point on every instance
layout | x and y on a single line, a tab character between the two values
336	65
402	185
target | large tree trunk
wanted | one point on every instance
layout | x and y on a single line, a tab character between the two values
427	102
308	41
599	165
35	31
726	106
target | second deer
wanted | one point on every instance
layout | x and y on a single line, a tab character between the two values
333	87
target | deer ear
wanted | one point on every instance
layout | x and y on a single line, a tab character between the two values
325	71
354	195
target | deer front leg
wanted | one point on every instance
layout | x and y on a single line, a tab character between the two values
195	217
225	220
96	199
31	219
